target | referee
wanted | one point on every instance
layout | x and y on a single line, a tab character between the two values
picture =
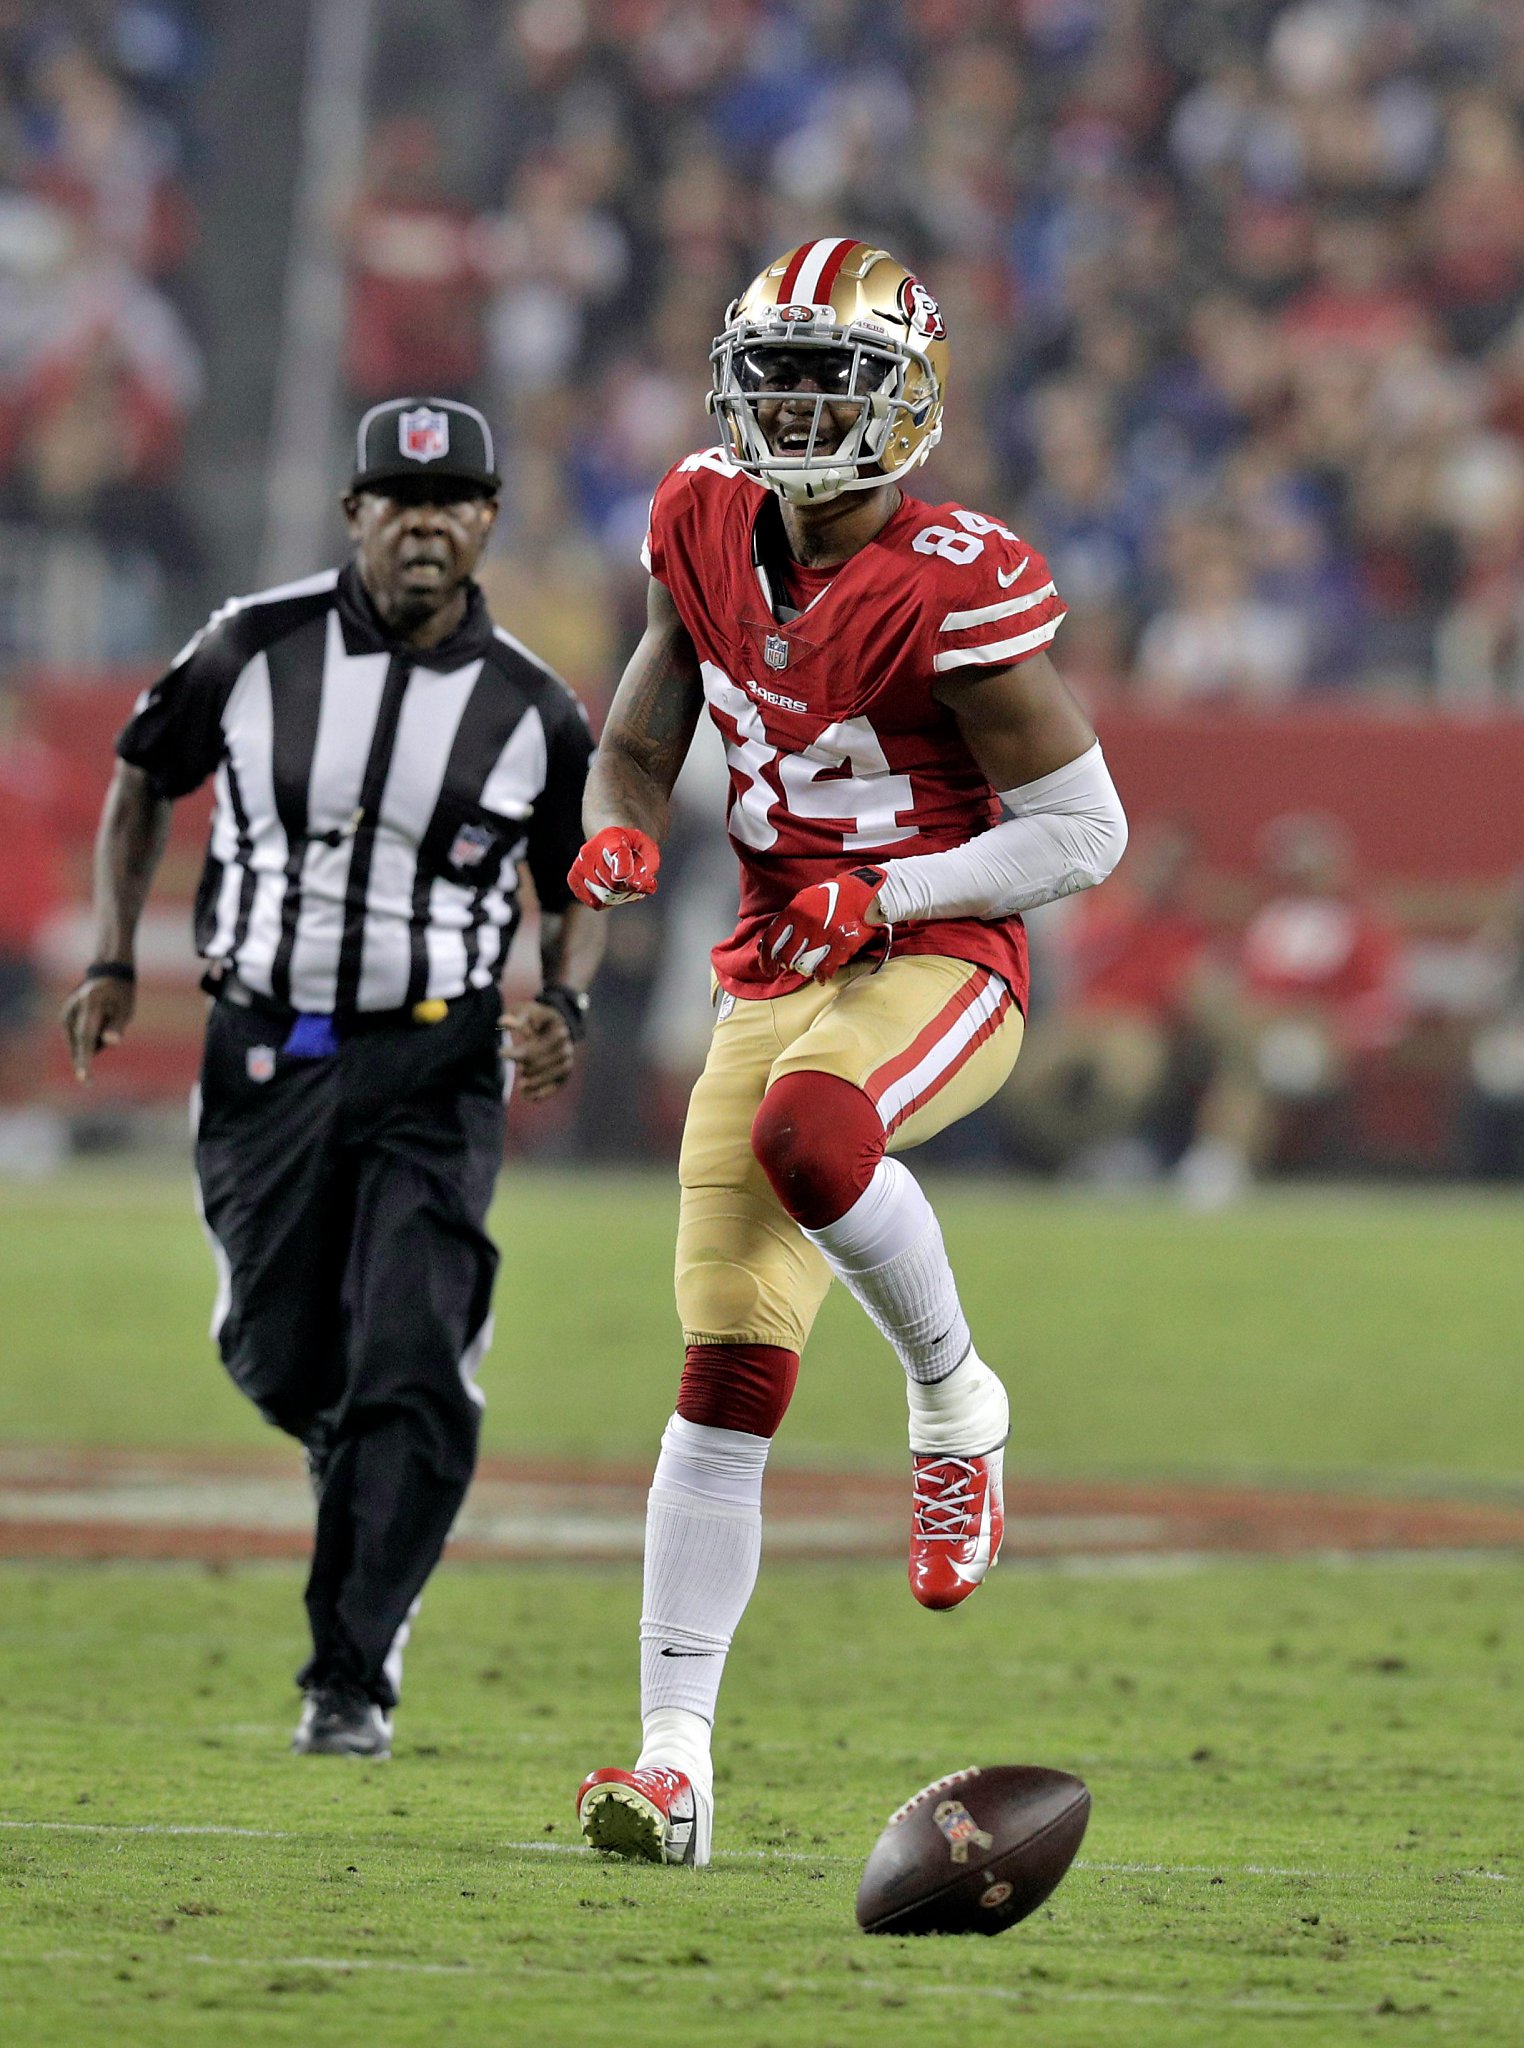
384	758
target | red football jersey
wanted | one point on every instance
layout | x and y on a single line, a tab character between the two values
839	754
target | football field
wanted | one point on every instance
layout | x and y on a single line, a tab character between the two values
1301	1726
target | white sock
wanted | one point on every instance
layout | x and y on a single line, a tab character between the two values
966	1415
703	1546
888	1252
679	1740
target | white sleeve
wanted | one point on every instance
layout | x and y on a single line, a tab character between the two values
1066	832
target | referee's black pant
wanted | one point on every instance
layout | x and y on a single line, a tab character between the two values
346	1198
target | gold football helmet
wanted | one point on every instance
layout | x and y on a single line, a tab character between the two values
880	339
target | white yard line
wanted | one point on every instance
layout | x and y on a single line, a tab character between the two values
127	1827
1224	1870
1261	1870
122	1827
344	1963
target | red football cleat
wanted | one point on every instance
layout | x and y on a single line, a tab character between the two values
656	1814
957	1521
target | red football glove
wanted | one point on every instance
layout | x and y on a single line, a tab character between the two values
617	865
825	925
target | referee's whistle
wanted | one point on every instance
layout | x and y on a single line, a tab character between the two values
340	833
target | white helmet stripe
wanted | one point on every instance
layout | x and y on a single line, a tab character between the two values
812	270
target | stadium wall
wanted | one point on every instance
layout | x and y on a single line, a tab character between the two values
1431	801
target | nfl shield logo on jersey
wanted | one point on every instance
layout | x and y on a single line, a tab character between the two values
471	845
775	651
423	435
260	1062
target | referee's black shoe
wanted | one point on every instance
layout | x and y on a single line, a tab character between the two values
338	1721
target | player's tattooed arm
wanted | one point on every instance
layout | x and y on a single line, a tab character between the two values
134	827
650	726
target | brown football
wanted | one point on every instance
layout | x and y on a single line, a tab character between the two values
973	1853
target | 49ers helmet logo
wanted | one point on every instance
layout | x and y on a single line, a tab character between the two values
794	314
920	310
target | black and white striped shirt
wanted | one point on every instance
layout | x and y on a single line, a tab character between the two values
373	800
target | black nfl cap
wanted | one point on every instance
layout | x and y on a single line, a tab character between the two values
428	437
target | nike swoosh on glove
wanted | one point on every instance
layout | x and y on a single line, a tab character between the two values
825	926
617	865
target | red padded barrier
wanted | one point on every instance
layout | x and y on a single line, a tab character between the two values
1428	799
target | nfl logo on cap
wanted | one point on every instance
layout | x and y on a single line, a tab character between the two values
775	651
401	435
423	435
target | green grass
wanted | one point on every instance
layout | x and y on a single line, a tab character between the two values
1330	1334
1309	1809
1308	1815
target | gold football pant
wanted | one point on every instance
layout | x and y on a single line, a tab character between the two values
927	1040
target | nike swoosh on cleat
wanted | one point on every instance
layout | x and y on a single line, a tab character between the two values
689	1653
973	1572
1005	581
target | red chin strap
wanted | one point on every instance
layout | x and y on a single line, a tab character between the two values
737	1386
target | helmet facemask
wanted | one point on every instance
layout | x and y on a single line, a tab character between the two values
891	384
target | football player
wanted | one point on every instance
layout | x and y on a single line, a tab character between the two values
908	774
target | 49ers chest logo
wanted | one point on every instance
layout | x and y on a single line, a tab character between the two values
960	1828
920	311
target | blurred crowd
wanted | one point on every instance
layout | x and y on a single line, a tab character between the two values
1235	292
1180	1042
1206	1038
100	372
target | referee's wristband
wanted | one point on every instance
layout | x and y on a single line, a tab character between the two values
570	1005
110	970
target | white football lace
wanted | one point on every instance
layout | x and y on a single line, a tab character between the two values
944	1500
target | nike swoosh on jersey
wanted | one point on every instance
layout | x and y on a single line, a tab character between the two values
1005	581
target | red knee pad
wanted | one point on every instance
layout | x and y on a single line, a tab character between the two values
737	1386
818	1140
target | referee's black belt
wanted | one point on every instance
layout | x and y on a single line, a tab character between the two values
229	989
